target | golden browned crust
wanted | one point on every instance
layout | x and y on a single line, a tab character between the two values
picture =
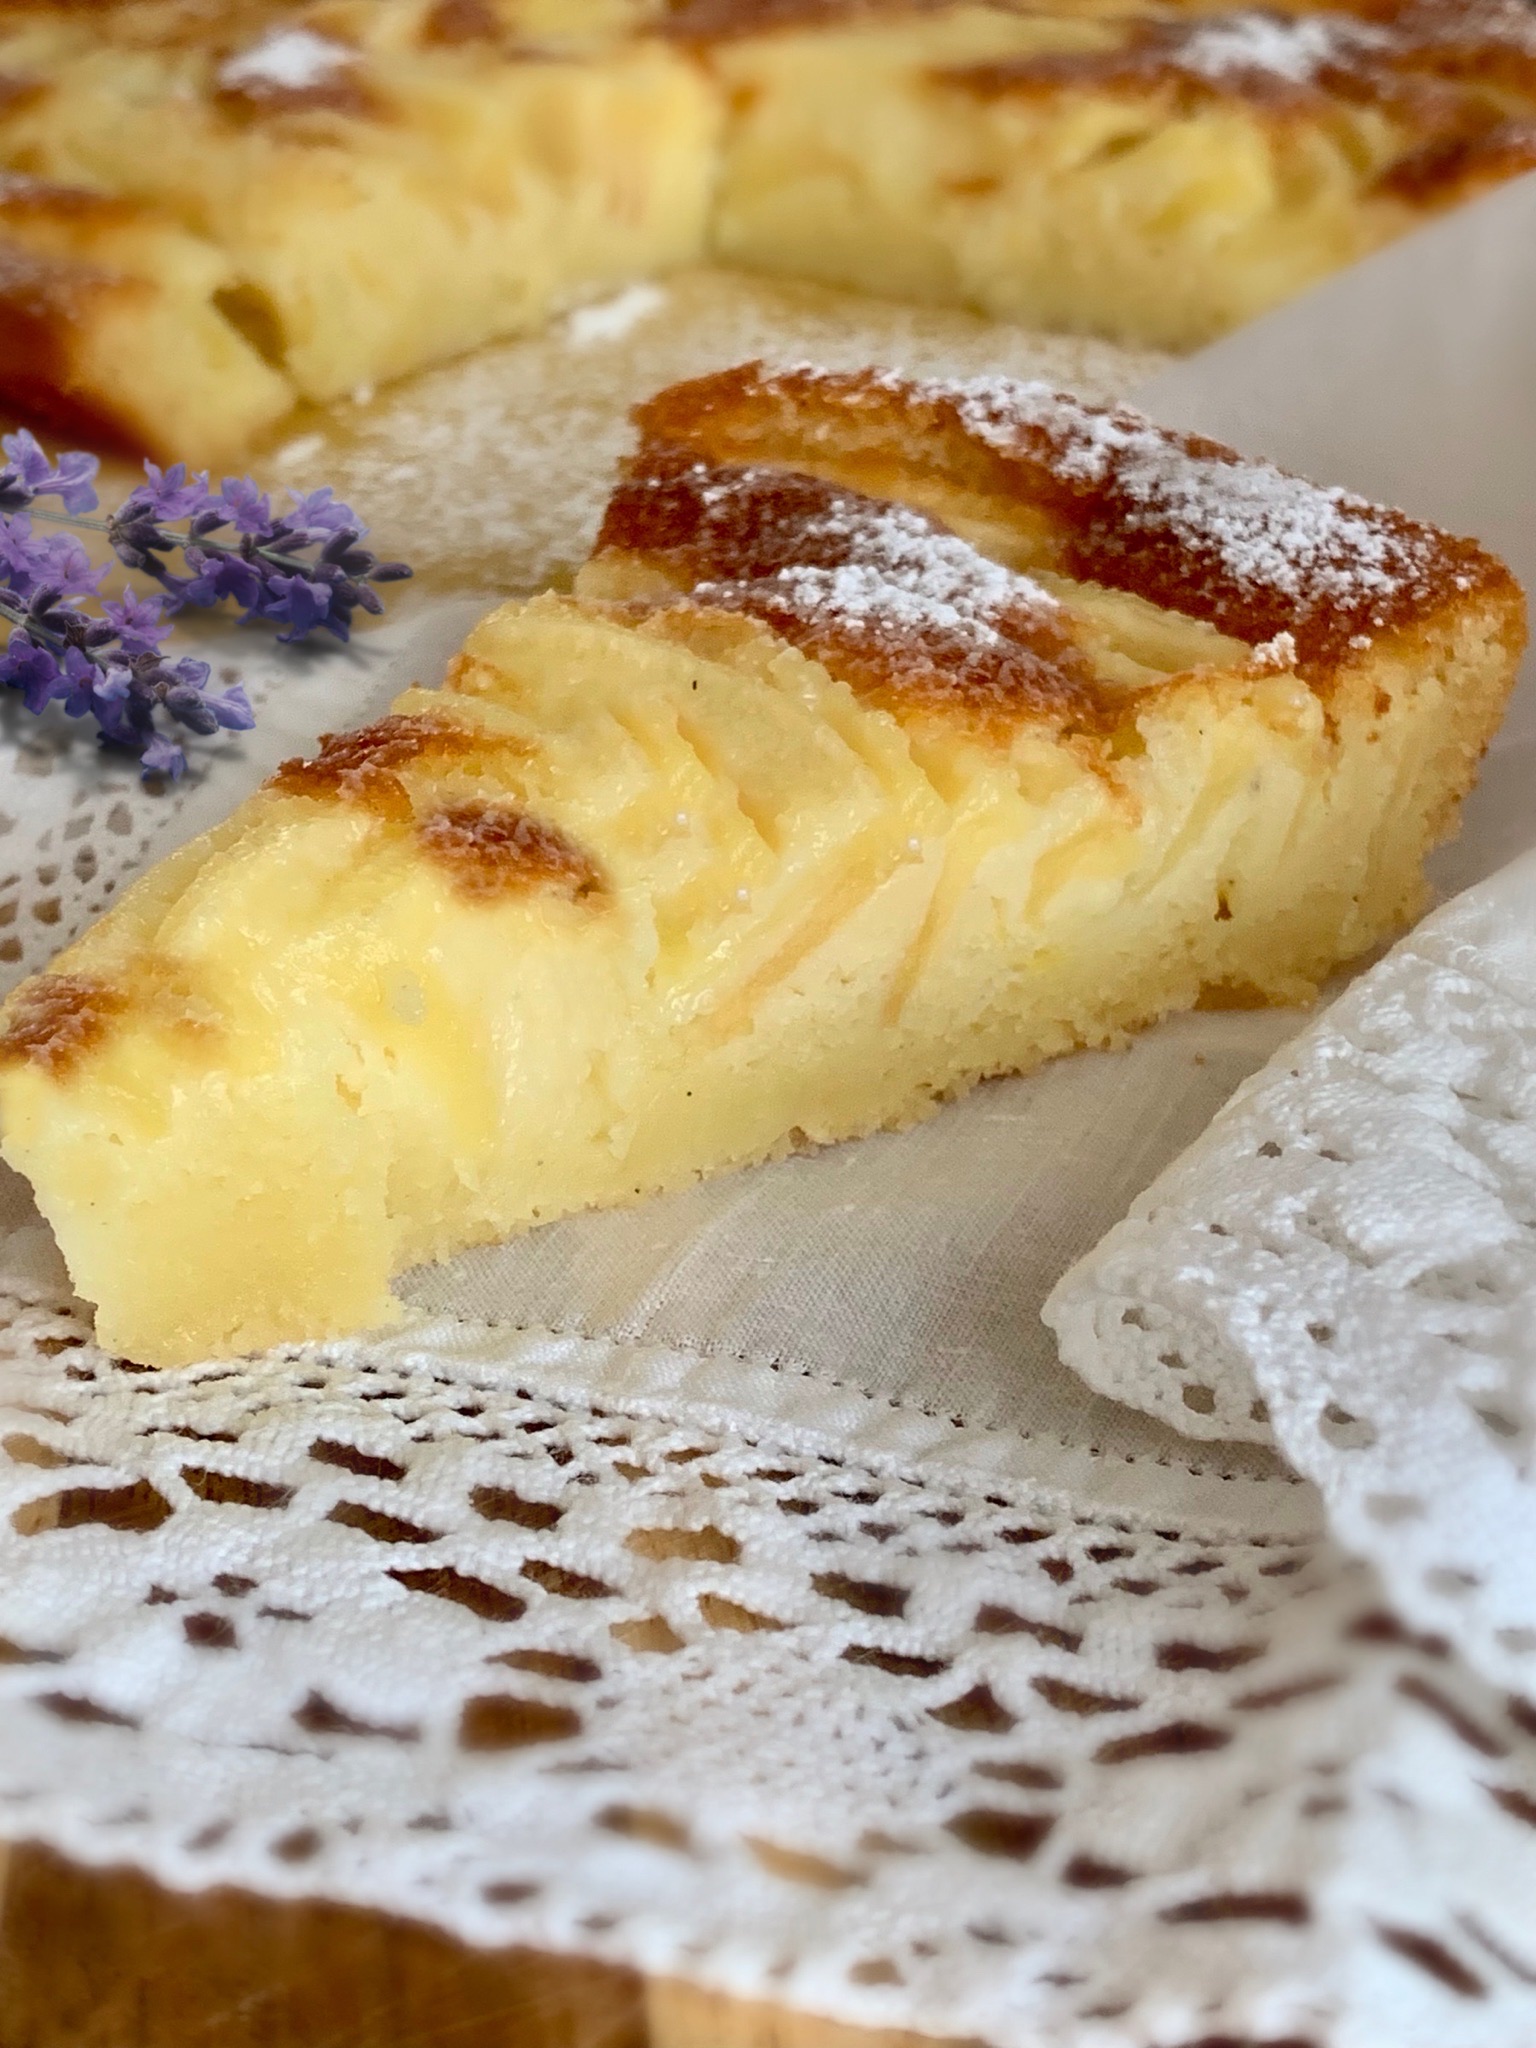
1486	44
24	199
153	23
76	27
50	296
342	93
883	596
1109	497
1456	79
1435	65
359	767
461	21
18	92
55	1019
492	850
1455	167
45	302
711	21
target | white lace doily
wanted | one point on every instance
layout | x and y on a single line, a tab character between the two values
1347	1258
738	1586
411	1625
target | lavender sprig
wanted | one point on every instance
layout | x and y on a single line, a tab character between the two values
302	570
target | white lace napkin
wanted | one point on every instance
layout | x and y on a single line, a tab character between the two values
1345	1263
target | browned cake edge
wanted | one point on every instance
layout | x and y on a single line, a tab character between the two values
1174	518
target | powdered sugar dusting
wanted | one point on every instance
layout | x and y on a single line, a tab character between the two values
1191	524
885	596
1268	56
1269	531
480	438
612	319
868	564
1296	49
289	60
1466	24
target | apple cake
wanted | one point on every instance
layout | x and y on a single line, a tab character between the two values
1154	178
217	209
309	200
895	735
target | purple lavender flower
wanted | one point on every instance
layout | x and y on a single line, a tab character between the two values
31	562
163	757
171	493
21	562
31	669
123	697
244	504
28	474
58	562
137	621
27	463
319	516
68	568
269	570
136	530
297	602
300	570
83	683
233	709
214	577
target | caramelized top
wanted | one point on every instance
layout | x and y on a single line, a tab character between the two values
55	1019
358	767
44	300
28	198
291	70
492	850
1456	165
721	20
1284	60
489	848
1176	519
154	24
882	595
461	21
207	10
1483	43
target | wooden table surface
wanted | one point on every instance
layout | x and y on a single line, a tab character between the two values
107	1959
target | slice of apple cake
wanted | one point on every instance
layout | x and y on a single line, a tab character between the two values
895	735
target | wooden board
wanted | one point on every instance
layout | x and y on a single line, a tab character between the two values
107	1959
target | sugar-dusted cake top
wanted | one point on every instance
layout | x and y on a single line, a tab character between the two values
874	589
1280	60
1100	495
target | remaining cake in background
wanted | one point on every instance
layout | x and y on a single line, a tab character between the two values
895	735
317	198
294	202
1154	179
